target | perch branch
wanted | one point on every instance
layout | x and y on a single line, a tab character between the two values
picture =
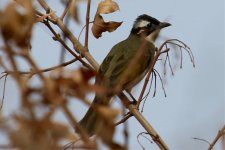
219	135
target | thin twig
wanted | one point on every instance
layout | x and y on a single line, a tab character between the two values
87	23
43	70
152	64
83	30
3	93
76	44
59	39
124	119
161	82
142	134
146	96
66	9
181	58
64	39
203	140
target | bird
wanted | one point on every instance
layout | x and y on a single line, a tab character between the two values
124	67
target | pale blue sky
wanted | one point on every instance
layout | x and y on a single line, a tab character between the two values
194	106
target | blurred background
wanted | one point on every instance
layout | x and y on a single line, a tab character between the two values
195	102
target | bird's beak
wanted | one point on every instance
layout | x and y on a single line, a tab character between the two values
164	24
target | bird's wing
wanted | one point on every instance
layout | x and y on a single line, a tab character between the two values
114	64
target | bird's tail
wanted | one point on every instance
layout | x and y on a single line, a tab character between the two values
93	120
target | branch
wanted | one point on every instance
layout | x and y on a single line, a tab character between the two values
161	50
66	9
219	135
3	93
43	70
124	119
158	52
76	44
145	124
87	23
59	39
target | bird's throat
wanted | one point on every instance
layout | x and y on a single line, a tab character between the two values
153	36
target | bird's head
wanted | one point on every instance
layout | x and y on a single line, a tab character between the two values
146	25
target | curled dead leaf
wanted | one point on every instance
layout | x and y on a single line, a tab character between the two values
100	26
107	6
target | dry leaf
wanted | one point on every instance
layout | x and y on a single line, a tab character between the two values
17	22
99	25
107	6
74	11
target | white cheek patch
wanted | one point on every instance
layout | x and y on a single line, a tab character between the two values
142	23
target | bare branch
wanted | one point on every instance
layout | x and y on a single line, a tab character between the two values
43	70
87	23
66	9
59	39
124	119
76	44
219	135
3	93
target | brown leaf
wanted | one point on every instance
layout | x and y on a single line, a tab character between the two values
17	22
74	11
99	25
107	6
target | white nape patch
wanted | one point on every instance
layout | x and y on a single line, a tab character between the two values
142	23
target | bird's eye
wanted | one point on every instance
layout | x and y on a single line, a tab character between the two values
149	25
